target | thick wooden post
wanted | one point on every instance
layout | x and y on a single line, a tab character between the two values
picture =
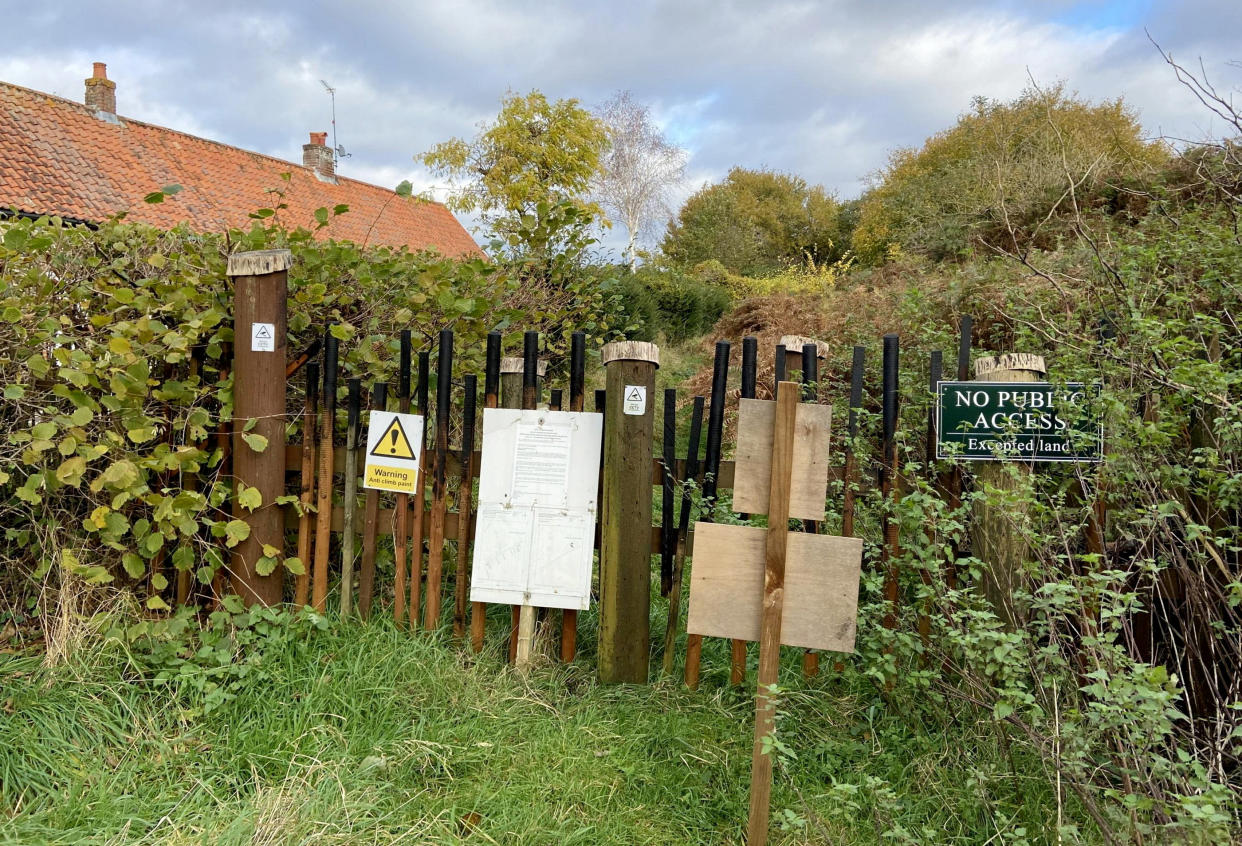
773	607
260	291
625	547
420	492
995	534
530	398
465	502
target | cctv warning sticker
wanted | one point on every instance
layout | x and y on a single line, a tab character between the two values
393	445
635	400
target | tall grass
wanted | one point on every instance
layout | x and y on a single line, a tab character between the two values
365	734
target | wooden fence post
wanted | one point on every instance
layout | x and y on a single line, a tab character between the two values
491	392
439	479
625	547
994	533
353	426
260	292
888	475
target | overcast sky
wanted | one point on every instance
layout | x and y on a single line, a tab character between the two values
820	89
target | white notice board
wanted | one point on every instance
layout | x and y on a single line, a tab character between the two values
535	535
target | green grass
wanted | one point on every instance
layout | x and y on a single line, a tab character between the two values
364	734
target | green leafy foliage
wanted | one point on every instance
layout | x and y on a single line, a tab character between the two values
756	222
1007	176
115	352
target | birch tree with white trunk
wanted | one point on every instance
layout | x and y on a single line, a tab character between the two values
638	171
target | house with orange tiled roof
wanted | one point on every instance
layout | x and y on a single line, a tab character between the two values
84	162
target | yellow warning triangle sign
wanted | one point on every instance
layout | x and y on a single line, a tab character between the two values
394	443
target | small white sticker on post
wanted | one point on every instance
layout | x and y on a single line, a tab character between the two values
263	337
635	400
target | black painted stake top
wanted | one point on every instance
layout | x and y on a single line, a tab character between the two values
692	464
856	387
491	371
577	370
780	366
963	348
379	396
810	372
715	423
750	356
668	535
444	378
530	368
889	395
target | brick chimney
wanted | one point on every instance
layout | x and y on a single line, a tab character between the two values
101	91
318	156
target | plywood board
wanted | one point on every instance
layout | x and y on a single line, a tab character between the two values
821	586
535	526
753	467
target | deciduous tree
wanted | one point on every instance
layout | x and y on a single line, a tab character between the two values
638	170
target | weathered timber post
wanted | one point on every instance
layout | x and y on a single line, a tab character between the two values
260	291
995	532
625	546
888	474
577	390
491	393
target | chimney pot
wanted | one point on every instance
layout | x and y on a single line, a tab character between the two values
101	91
317	156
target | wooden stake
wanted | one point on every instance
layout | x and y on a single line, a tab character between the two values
370	521
625	521
889	550
323	501
420	493
683	528
720	381
349	537
577	387
401	508
530	397
260	285
306	531
773	606
850	471
491	392
810	393
439	479
668	491
465	497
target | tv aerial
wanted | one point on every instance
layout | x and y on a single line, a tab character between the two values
337	149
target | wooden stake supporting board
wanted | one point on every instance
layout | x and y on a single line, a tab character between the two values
535	530
393	445
773	585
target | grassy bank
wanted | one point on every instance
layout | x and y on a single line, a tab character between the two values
363	734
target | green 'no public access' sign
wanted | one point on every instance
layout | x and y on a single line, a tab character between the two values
1018	421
